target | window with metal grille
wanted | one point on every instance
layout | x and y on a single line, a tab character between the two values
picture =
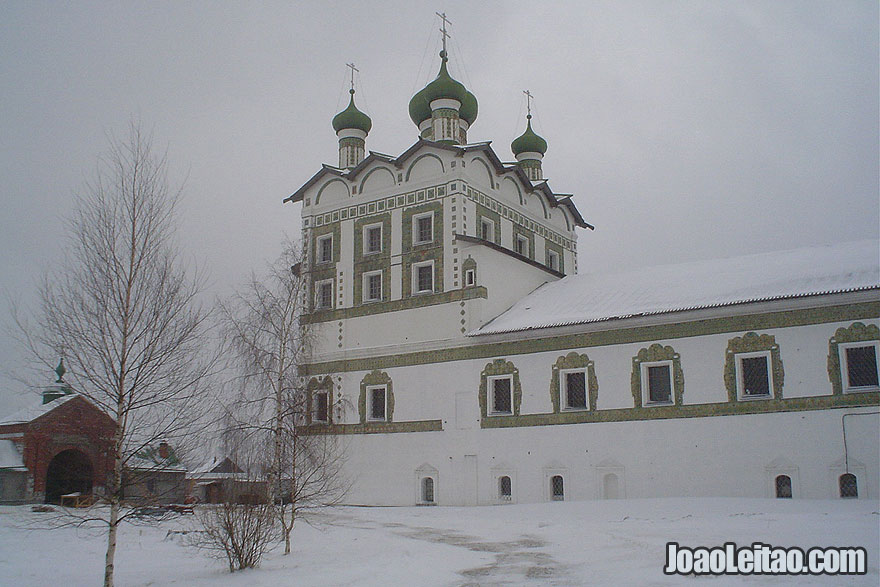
504	488
424	229
424	278
783	487
428	490
501	400
325	249
659	383
321	410
374	239
325	294
754	376
861	366
849	485
374	287
557	488
575	390
377	403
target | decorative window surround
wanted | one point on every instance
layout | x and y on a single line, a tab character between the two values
374	380
487	230
657	383
752	344
377	400
422	284
857	332
319	398
498	369
324	249
372	239
324	294
573	362
423	228
373	286
859	371
426	485
554	260
754	378
656	355
469	267
521	245
500	395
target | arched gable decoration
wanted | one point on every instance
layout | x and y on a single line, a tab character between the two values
420	158
370	174
516	187
490	181
331	183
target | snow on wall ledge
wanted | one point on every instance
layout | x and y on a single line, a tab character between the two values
588	297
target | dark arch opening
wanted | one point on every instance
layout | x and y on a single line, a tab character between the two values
849	485
783	487
70	471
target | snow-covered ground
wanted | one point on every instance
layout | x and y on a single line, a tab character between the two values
570	543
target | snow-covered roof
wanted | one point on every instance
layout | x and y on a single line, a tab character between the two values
31	413
592	297
142	464
10	457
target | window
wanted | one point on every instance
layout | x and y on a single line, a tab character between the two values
321	408
574	389
324	294
470	278
783	487
753	375
373	286
423	228
557	488
423	277
505	492
373	239
859	366
377	395
849	486
325	249
553	260
500	392
657	382
427	490
522	245
487	230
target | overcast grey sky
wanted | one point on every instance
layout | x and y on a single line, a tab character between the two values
685	130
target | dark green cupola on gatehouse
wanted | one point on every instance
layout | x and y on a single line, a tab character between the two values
444	110
351	126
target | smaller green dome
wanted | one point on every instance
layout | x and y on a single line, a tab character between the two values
351	117
528	142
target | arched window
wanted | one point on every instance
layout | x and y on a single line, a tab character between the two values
504	488
849	485
557	488
783	487
611	486
428	490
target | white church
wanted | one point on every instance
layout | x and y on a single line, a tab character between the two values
463	360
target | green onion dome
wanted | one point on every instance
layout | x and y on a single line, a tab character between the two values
443	86
528	142
351	117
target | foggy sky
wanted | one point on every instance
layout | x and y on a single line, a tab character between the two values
685	130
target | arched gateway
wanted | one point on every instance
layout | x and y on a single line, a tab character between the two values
69	471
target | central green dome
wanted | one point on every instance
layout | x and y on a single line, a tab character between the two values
353	118
528	142
443	86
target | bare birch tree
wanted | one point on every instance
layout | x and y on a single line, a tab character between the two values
124	313
269	340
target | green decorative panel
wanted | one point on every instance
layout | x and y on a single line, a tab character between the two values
574	361
749	343
857	332
314	385
615	336
420	301
657	352
551	246
409	213
771	406
383	219
495	217
376	377
499	367
377	428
